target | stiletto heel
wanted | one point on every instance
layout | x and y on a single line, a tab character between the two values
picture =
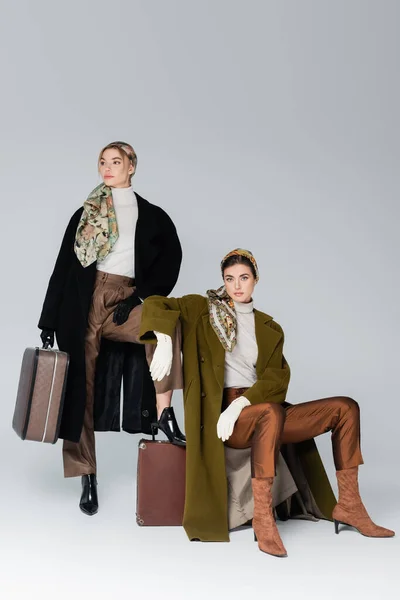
169	425
154	431
350	511
255	537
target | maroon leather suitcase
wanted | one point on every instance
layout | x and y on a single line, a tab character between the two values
160	497
40	396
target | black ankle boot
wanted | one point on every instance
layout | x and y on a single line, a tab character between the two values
168	425
89	503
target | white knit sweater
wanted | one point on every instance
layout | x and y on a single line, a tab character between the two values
240	364
121	259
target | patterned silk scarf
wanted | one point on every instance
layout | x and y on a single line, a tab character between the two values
97	230
221	307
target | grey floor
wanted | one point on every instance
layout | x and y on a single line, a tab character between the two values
50	550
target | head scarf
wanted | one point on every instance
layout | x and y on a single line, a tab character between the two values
221	307
241	252
97	230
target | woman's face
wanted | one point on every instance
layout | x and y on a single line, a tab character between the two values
239	282
115	170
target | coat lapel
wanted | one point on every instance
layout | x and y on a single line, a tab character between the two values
145	235
267	340
216	349
146	222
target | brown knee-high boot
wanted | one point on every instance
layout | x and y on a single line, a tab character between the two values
350	510
264	525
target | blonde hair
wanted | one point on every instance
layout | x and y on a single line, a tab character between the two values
126	150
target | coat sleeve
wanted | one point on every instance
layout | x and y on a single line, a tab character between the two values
161	314
51	305
166	267
273	384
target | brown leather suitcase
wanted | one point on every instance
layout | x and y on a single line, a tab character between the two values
40	396
160	483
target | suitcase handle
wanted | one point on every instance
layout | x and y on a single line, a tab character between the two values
47	337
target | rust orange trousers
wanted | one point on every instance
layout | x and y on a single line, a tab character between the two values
264	427
109	290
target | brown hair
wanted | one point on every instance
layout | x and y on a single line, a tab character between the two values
125	149
238	260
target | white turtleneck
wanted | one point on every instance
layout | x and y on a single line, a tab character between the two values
121	259
240	364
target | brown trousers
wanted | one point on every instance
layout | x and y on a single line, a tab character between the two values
264	427
80	458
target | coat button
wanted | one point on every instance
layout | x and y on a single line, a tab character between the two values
201	427
202	358
203	394
145	413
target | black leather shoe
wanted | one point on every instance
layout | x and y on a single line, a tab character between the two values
89	503
169	425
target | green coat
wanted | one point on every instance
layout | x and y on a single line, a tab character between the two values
206	510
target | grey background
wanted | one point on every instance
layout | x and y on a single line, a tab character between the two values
268	125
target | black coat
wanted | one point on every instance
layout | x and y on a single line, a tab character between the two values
158	257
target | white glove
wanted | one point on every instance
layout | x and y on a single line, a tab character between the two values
162	358
229	416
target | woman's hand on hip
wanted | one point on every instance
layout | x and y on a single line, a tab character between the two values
229	416
123	308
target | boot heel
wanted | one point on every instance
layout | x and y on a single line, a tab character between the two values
336	525
154	431
168	425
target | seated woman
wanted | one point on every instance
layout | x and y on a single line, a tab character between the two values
233	361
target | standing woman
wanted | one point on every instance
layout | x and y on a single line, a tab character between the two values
116	251
236	379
